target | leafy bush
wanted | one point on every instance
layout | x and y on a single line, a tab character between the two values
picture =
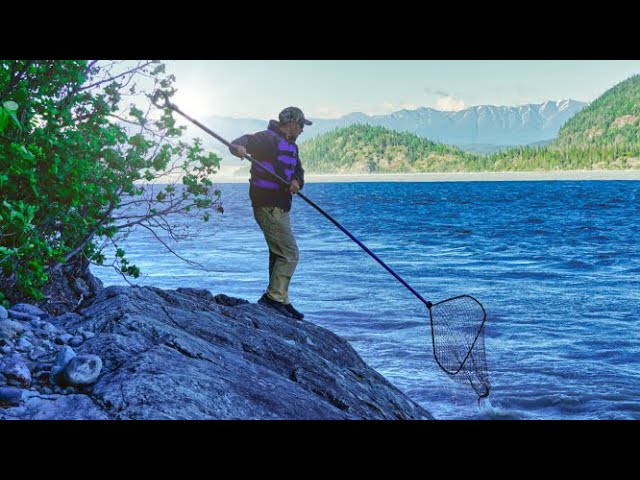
84	158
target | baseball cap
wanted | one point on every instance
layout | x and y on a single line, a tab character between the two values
293	114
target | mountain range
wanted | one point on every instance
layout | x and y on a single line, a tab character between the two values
479	129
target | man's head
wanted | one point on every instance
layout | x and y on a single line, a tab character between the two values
292	122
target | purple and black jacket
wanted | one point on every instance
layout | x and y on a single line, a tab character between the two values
276	154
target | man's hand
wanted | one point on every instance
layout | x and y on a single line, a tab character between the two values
239	150
294	187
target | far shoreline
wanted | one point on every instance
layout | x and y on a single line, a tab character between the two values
463	177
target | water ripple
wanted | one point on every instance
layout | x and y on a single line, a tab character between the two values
556	265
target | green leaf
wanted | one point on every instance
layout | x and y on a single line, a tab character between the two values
10	105
13	117
4	119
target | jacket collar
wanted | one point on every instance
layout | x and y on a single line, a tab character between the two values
274	128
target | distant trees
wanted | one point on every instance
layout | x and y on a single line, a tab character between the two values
367	149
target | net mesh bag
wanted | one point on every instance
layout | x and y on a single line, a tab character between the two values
457	330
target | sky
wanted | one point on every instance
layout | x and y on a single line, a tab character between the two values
332	88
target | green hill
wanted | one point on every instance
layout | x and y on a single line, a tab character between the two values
603	136
613	117
375	149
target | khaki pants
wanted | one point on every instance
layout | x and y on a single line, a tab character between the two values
283	250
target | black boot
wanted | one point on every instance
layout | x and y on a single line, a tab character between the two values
287	310
294	313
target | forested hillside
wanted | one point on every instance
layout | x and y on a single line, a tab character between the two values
368	149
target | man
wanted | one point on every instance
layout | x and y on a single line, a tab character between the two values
277	152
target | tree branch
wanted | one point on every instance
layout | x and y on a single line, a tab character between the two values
196	265
16	78
84	241
110	79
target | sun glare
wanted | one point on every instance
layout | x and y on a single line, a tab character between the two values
195	102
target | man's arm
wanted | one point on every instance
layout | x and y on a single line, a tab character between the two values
240	146
259	145
298	173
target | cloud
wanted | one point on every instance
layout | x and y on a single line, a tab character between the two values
328	111
448	101
390	107
450	104
440	93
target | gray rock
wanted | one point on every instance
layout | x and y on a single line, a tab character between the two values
223	299
63	338
10	328
43	334
36	323
41	366
41	376
10	396
66	317
25	317
82	370
24	344
6	349
200	293
3	313
49	327
76	341
36	353
36	406
65	355
15	370
28	309
87	335
30	335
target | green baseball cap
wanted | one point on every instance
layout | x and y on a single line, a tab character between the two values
293	114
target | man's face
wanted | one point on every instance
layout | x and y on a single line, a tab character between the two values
293	131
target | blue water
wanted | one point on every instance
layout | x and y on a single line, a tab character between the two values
556	265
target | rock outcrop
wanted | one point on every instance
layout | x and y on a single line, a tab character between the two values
147	353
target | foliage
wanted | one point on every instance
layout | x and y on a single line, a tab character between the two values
83	153
604	135
374	149
614	114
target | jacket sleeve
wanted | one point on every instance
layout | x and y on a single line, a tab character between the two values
298	173
258	145
243	141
